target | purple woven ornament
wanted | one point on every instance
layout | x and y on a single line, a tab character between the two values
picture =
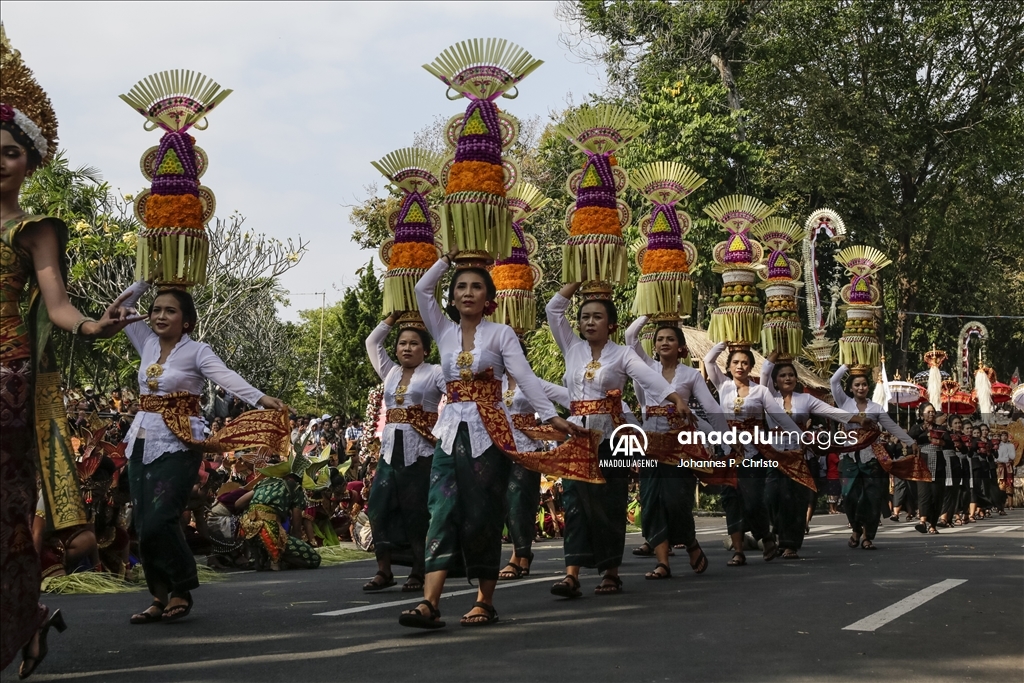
778	266
175	185
742	255
480	146
860	289
518	255
602	193
186	182
413	231
665	239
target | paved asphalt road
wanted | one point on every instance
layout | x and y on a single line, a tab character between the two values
783	621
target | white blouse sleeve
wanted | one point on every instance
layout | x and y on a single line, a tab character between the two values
561	330
556	393
766	377
893	428
838	393
779	415
654	386
214	369
822	409
519	367
700	391
633	337
433	317
139	331
715	374
379	358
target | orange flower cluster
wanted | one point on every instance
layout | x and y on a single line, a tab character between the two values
512	276
665	261
412	255
174	211
476	176
596	220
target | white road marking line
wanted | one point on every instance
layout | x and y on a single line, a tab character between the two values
893	532
410	601
883	617
819	529
999	529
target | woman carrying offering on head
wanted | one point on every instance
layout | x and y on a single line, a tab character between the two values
398	511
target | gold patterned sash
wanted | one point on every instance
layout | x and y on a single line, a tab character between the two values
791	463
420	420
611	405
575	459
252	429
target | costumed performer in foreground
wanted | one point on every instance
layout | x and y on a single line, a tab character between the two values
398	511
596	370
864	481
165	441
787	498
470	471
667	492
746	406
36	442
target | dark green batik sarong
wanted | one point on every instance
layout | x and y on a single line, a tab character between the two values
467	510
666	505
595	518
523	499
160	492
787	508
398	512
862	493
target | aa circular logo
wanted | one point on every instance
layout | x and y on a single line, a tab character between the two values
628	441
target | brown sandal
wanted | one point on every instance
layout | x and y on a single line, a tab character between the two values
656	575
738	560
569	587
511	571
604	588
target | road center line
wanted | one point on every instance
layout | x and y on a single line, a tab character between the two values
410	601
882	617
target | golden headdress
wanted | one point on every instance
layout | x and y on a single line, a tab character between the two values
24	105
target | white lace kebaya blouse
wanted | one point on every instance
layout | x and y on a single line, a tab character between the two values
873	411
686	382
495	346
424	389
757	404
188	365
588	380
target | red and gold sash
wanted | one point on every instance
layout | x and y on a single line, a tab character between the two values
527	424
665	447
791	463
611	405
420	420
575	459
908	468
252	429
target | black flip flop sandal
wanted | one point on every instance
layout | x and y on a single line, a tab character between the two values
487	619
371	585
178	611
656	576
701	565
414	618
569	587
146	617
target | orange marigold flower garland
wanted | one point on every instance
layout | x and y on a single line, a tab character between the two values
665	261
412	255
476	176
512	276
595	220
174	211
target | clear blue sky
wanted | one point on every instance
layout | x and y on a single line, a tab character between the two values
320	90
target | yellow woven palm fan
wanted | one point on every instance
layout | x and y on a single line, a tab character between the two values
526	199
665	181
602	128
175	100
483	67
863	260
412	169
778	234
739	212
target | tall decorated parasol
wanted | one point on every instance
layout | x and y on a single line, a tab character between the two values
595	252
738	317
516	276
935	377
173	245
782	330
412	249
827	224
664	290
859	346
475	215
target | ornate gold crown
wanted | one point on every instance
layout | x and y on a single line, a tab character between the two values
24	102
